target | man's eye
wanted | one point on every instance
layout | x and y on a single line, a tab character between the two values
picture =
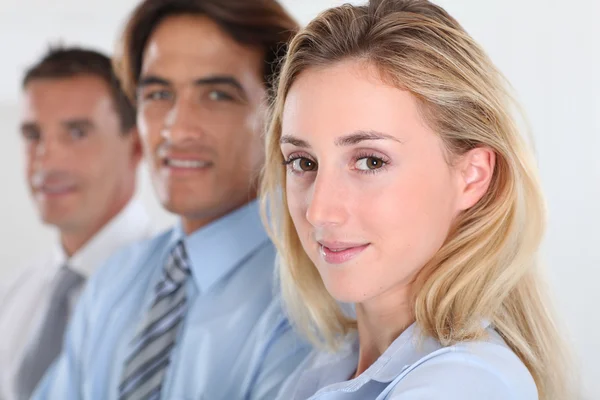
31	136
158	95
219	95
77	133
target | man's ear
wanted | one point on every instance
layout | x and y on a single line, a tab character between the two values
136	145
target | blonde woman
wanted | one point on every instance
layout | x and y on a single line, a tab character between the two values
398	181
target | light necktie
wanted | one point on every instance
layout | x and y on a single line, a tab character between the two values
150	350
46	343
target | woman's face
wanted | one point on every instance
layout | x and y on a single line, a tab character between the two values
369	186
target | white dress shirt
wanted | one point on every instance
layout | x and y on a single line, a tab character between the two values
22	295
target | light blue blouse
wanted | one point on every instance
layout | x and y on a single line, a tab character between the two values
415	367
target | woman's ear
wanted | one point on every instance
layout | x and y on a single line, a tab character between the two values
475	169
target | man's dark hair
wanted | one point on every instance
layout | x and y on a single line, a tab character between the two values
61	62
262	23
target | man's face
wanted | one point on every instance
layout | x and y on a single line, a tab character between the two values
201	102
79	163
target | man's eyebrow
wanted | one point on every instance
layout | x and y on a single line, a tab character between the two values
220	80
153	80
81	123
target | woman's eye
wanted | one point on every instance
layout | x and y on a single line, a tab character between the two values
369	163
303	164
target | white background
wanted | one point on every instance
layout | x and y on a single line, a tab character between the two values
549	50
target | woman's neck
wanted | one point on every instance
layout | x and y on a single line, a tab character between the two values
380	321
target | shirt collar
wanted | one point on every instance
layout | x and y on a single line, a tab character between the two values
410	347
128	226
407	349
217	249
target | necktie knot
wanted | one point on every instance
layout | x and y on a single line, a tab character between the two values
65	283
176	270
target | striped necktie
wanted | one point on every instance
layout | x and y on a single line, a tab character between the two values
150	350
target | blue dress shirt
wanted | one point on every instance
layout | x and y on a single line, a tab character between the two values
235	342
415	367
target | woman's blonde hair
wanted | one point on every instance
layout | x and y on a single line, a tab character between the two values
487	268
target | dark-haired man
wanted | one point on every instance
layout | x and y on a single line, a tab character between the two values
191	314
